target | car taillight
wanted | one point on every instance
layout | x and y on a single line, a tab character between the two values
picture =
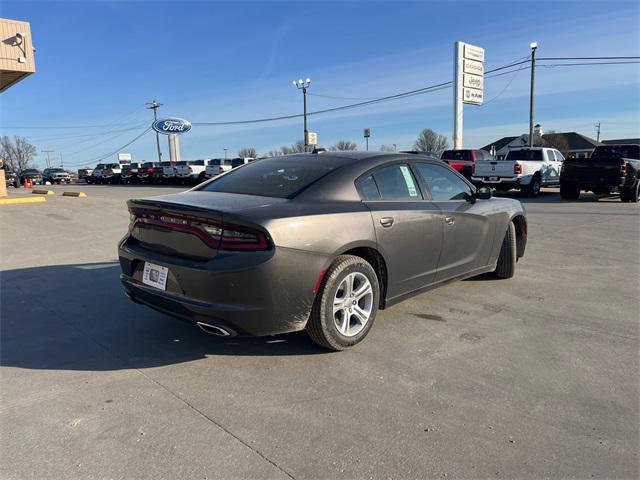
473	169
623	170
223	236
150	170
517	169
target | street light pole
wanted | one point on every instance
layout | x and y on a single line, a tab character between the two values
304	85
225	153
154	105
534	47
395	147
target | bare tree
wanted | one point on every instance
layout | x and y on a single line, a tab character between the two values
557	141
18	154
386	148
247	152
430	141
274	153
297	147
343	145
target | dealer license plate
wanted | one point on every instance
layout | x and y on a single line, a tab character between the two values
155	275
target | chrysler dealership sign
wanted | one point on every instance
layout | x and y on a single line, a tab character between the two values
468	77
171	126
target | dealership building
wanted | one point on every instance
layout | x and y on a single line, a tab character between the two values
16	52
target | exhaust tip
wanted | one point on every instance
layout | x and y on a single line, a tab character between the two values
213	329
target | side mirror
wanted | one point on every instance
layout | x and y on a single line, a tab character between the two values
484	193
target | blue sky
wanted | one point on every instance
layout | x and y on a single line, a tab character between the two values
99	62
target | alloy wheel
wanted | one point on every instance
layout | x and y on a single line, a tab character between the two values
352	304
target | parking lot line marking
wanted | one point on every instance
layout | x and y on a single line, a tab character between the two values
74	194
43	192
13	201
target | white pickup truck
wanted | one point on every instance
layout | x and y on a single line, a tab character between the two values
526	168
191	171
216	166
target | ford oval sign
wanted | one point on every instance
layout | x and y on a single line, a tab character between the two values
172	126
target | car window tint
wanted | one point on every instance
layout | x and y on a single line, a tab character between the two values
274	177
396	182
368	189
443	183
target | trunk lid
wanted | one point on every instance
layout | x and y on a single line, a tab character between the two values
185	224
494	168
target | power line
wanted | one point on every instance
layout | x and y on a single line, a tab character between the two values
553	65
99	159
588	58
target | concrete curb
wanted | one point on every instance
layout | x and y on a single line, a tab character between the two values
13	201
43	192
74	194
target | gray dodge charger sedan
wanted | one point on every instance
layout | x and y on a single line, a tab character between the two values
315	241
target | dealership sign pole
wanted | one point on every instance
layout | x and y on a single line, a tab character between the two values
172	127
468	76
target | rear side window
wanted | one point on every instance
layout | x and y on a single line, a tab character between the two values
282	178
395	182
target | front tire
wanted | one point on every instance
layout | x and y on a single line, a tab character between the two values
506	266
346	304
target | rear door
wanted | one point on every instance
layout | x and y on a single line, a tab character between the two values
468	234
408	229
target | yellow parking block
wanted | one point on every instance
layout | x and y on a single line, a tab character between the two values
12	201
74	194
43	192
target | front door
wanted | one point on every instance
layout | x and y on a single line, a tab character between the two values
467	238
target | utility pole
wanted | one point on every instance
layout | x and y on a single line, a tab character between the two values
304	85
61	161
48	152
154	105
534	47
598	127
225	153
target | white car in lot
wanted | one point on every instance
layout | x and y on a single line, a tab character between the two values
216	166
526	168
191	171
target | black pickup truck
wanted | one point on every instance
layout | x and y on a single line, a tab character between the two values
610	168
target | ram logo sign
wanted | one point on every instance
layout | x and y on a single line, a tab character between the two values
171	126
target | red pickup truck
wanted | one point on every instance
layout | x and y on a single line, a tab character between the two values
463	161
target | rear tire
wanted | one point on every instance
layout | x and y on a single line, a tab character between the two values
569	191
533	189
506	266
339	318
631	194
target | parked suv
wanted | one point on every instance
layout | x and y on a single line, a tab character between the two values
31	174
145	172
84	174
526	168
129	173
96	174
191	171
464	161
10	177
111	173
216	166
56	175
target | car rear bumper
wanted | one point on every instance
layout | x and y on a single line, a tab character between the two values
590	182
490	180
244	293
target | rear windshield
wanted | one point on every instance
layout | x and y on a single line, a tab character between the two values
198	162
237	162
524	154
165	164
184	162
30	170
456	155
149	164
619	151
274	177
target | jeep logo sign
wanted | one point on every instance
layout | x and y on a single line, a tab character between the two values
171	126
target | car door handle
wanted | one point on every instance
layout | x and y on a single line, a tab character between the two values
449	220
386	221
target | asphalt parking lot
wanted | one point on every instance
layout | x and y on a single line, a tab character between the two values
531	377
